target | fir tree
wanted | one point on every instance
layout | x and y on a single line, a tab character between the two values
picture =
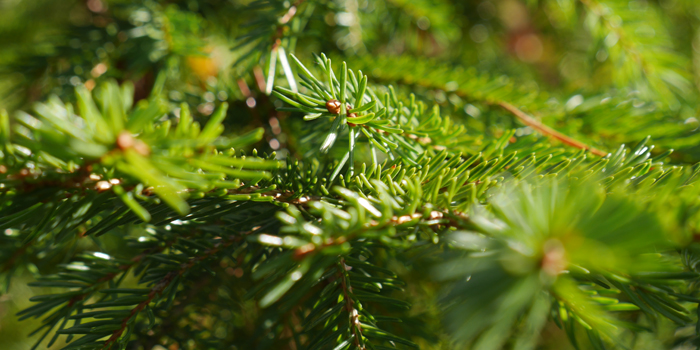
349	174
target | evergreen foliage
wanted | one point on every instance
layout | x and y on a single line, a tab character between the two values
349	174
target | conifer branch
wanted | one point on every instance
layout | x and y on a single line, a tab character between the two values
388	224
547	131
353	315
472	94
160	286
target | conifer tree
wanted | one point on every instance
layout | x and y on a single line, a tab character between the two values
349	174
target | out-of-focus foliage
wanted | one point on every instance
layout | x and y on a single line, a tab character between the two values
349	174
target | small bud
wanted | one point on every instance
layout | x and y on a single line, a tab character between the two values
554	260
352	115
102	186
406	218
333	106
125	140
141	148
302	251
434	215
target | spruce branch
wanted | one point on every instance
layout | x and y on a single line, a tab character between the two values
276	29
615	164
467	86
355	324
398	130
387	224
101	269
158	288
545	130
163	269
552	255
139	159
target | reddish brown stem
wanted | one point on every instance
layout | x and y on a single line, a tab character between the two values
164	283
546	130
354	317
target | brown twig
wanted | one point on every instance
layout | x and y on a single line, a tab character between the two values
158	288
522	116
435	218
122	269
354	317
546	130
